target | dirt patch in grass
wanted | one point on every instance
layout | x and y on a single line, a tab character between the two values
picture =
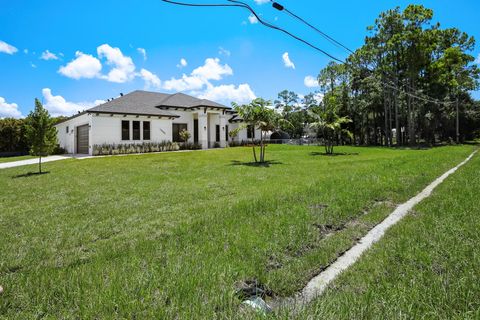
250	288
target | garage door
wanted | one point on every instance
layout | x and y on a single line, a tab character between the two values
82	139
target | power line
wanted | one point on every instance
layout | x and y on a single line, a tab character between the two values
240	4
280	7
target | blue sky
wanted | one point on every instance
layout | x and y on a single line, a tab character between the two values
73	54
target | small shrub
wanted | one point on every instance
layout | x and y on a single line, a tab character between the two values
242	143
190	146
59	150
128	148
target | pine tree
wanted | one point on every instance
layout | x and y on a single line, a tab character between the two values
40	133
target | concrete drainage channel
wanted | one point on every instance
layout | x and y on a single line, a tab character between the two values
318	284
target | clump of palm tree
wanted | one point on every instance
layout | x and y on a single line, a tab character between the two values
260	115
330	126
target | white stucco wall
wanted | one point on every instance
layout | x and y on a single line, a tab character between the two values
242	134
67	140
186	117
105	128
108	129
213	121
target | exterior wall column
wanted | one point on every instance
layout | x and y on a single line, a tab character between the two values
203	129
223	123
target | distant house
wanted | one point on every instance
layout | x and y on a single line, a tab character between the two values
143	116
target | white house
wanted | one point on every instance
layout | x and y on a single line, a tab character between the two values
143	116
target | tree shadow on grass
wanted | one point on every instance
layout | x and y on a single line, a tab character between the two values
335	154
30	174
265	164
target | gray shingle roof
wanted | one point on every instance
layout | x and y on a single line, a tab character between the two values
136	102
153	103
186	101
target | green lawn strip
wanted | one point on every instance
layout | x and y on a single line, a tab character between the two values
168	235
322	253
427	266
12	159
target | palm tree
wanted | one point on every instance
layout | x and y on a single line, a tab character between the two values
259	115
329	125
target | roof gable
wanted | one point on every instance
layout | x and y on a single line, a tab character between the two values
181	100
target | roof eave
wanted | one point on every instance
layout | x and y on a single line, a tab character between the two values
137	114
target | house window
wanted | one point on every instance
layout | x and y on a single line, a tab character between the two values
176	129
136	130
66	129
250	132
226	133
217	133
125	130
146	130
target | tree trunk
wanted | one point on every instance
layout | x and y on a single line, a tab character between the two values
457	125
390	142
411	121
262	148
253	148
397	120
387	143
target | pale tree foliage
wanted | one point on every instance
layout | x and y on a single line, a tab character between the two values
184	135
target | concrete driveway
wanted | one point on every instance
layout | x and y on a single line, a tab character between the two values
13	164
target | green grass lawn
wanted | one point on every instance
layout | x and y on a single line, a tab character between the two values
427	266
11	159
168	235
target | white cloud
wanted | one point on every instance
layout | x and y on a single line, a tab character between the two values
310	82
25	51
33	65
185	83
123	68
241	94
287	62
211	70
151	80
47	55
7	48
9	110
83	66
143	52
319	97
58	106
183	63
261	1
252	19
224	52
198	83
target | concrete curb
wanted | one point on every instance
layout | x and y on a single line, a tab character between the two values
318	284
